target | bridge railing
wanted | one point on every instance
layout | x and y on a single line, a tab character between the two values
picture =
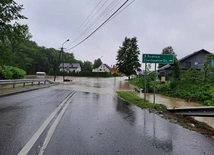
24	82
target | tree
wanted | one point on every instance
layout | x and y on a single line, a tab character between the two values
97	63
209	68
9	11
167	50
127	57
87	66
16	34
176	69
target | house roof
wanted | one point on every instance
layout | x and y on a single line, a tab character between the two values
184	58
69	65
108	67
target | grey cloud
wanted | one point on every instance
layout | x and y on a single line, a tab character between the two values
185	25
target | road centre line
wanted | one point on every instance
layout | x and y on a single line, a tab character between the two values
36	136
53	127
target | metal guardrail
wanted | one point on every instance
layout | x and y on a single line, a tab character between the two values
205	111
24	81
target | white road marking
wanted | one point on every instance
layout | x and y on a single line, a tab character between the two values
53	127
35	137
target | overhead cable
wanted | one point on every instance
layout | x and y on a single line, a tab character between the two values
99	26
120	11
92	26
84	24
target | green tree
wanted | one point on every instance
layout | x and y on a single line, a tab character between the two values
16	34
167	50
209	68
97	63
9	12
176	69
127	57
87	66
11	32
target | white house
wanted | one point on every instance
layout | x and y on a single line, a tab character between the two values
70	67
103	68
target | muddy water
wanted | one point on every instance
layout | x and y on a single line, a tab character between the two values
175	102
96	85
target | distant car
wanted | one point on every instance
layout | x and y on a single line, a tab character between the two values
40	74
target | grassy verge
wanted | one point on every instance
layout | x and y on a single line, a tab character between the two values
186	122
134	99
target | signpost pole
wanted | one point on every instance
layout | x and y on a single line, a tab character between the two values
154	83
145	82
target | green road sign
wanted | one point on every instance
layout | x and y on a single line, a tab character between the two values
158	58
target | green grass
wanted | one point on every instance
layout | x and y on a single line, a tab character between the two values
134	99
186	122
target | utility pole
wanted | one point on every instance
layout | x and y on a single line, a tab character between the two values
57	65
63	64
61	53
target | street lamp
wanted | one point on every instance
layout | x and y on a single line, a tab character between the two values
63	59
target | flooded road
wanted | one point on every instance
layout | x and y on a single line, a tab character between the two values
97	85
93	120
110	85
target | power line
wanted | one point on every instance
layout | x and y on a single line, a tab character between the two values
121	11
92	26
99	26
91	17
85	19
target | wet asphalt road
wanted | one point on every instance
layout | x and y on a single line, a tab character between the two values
92	124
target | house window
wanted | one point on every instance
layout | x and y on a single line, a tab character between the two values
100	69
187	65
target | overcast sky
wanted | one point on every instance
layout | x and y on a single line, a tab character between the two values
186	25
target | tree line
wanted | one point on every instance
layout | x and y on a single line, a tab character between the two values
18	50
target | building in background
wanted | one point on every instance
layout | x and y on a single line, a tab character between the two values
103	68
70	67
194	60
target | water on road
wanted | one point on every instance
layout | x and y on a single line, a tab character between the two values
110	85
95	121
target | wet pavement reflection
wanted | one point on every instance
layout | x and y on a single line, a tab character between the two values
104	124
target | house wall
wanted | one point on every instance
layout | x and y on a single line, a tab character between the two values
71	69
195	61
101	68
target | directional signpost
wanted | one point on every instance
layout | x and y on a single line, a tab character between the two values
155	58
158	58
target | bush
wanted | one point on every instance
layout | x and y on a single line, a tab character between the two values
5	73
173	84
9	72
